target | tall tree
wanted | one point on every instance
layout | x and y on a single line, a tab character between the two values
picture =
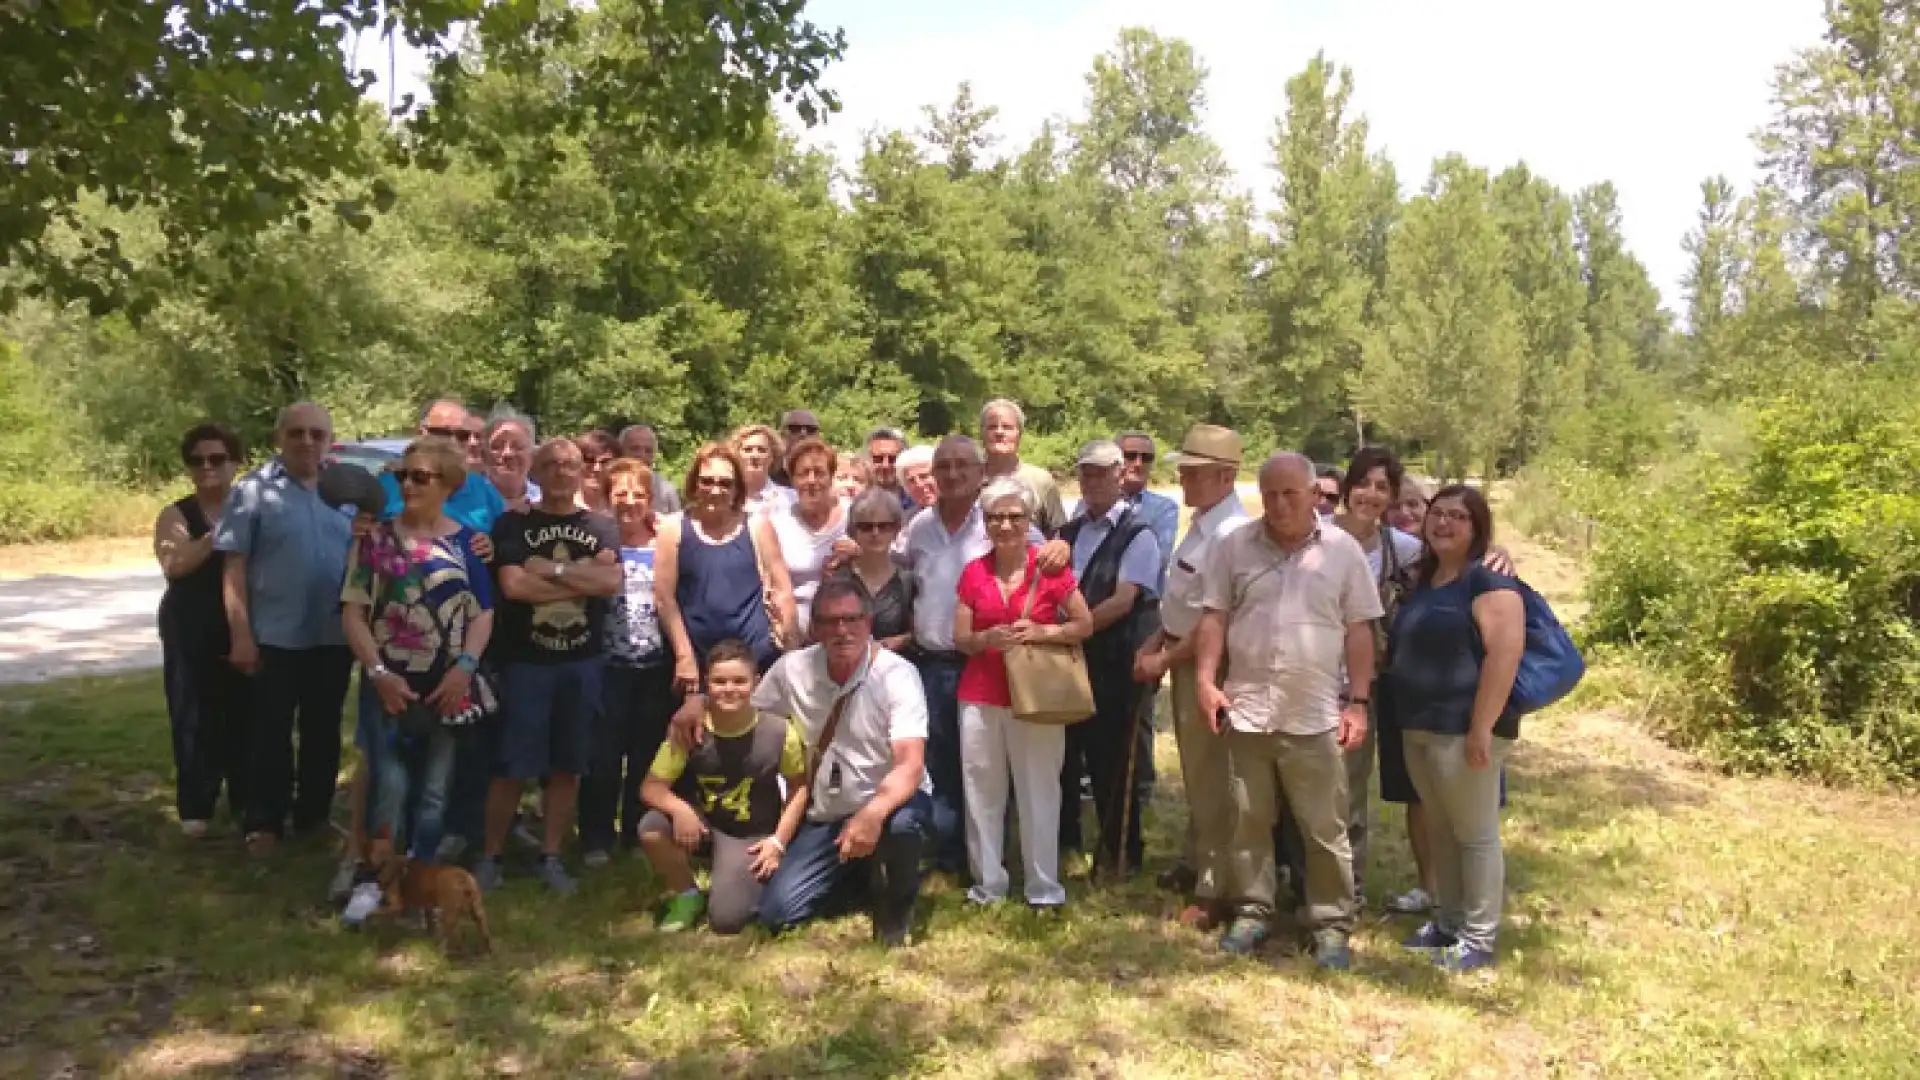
1335	205
1712	271
960	134
1444	366
1536	229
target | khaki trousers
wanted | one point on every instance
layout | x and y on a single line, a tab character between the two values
1311	771
1205	775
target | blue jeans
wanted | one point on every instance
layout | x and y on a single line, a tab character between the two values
410	778
811	872
940	676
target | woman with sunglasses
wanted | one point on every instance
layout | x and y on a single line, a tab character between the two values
809	529
417	609
718	573
875	519
992	615
597	454
205	694
759	449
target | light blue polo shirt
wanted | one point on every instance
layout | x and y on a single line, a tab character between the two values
1162	515
477	504
1139	564
296	552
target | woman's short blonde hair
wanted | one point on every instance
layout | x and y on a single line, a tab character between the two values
448	460
742	434
809	447
1006	487
633	467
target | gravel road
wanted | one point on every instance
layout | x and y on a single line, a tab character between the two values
56	625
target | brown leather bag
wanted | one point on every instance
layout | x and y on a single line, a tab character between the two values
1048	682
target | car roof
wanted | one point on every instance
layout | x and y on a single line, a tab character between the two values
395	446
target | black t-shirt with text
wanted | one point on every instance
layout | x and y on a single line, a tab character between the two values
561	630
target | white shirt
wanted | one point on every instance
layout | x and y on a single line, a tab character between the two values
1180	608
935	558
1287	618
772	499
806	554
885	704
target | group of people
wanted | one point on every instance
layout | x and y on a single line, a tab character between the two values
793	664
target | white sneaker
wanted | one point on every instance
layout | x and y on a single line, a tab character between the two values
364	902
1412	902
342	881
193	829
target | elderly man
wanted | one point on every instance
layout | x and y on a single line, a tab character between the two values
558	566
1208	464
863	718
477	504
1286	602
795	424
286	558
1116	561
510	438
1001	426
1161	514
917	487
638	441
884	449
938	545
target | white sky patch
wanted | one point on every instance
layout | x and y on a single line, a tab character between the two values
1655	95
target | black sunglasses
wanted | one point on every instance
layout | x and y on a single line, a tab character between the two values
1138	455
875	526
210	461
461	435
416	477
803	429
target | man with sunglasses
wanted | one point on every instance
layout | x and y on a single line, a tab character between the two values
477	504
1326	485
795	425
286	558
1161	514
884	447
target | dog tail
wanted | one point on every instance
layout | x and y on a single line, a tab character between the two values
478	911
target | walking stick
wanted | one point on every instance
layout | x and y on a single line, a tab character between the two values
1126	789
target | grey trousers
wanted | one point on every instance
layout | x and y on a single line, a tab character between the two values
1463	832
733	893
1205	776
1310	769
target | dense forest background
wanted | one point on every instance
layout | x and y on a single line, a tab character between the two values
600	220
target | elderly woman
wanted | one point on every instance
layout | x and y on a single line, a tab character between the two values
597	453
875	520
758	448
509	458
718	572
205	694
417	609
809	528
637	687
1005	601
1409	510
1456	646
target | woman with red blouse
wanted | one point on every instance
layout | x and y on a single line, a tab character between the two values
993	594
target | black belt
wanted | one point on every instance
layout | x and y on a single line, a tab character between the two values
941	656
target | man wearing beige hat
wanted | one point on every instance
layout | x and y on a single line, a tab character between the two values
1208	463
1116	561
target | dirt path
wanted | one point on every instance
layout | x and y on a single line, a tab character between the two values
56	625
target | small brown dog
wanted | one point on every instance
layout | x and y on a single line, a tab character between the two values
444	893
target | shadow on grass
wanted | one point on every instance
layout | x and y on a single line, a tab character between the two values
169	957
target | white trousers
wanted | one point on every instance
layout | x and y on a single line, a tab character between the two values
993	747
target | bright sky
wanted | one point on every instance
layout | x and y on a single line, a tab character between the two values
1655	95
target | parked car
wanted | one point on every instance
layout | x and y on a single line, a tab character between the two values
373	455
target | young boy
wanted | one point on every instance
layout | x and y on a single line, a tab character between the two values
724	798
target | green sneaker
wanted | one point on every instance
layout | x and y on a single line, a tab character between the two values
683	911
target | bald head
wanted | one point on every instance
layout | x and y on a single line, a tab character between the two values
957	472
1288	497
302	433
558	468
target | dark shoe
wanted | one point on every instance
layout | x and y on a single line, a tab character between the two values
1460	959
554	876
1180	879
1244	937
892	923
1429	938
487	874
1330	951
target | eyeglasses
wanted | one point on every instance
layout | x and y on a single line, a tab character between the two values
1013	518
875	526
457	434
718	483
1137	455
883	459
207	461
416	477
829	622
803	429
1458	517
311	434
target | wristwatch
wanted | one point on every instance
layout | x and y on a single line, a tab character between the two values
559	570
378	671
1363	702
465	662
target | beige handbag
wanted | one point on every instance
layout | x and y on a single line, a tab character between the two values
1048	683
776	629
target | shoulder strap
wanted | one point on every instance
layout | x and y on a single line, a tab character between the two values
1033	589
832	727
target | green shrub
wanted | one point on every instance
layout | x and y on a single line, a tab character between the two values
1780	588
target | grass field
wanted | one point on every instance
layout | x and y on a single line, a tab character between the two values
1662	921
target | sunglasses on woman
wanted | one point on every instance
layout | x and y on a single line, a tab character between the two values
717	483
416	477
207	461
875	526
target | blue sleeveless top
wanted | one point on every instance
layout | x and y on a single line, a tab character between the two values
720	594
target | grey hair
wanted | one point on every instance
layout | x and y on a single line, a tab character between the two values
979	455
1289	459
914	457
421	420
1006	487
875	498
625	431
1019	416
836	589
886	433
1152	447
504	414
280	418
